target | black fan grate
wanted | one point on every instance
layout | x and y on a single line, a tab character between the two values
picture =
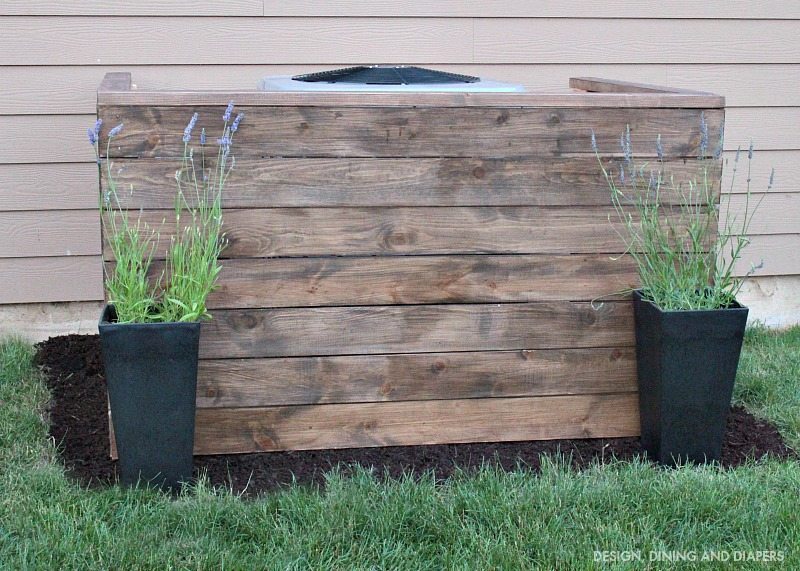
386	75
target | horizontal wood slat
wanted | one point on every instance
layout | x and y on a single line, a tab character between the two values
770	213
646	9
62	40
31	40
279	182
49	233
36	280
774	255
138	8
297	282
243	383
417	422
57	186
268	232
45	139
390	132
297	332
501	40
38	90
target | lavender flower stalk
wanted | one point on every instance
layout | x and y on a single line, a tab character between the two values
228	110
236	122
94	132
187	132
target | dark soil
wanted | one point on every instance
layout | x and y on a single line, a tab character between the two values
79	425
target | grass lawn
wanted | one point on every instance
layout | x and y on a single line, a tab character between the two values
489	520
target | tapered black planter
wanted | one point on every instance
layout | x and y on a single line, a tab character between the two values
151	372
686	363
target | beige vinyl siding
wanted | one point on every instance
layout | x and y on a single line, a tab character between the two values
54	54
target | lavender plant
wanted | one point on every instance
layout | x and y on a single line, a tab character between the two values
192	267
684	257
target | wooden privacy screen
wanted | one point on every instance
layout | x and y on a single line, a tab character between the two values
412	268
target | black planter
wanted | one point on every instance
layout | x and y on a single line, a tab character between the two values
151	372
686	363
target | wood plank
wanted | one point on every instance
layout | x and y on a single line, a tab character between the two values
679	9
34	280
281	182
39	321
30	234
600	85
61	40
115	81
772	213
417	422
322	98
779	254
785	163
287	232
522	40
242	383
299	282
45	139
72	89
400	132
138	8
56	186
299	332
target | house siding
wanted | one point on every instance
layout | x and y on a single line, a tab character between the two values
54	54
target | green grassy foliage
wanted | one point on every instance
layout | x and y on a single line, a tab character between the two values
769	379
488	520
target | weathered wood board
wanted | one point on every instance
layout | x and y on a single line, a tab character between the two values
405	270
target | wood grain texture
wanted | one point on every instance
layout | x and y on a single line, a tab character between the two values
387	231
772	213
600	85
58	186
61	40
45	139
299	282
647	9
298	332
785	163
281	182
50	233
39	90
34	280
244	383
521	40
137	8
772	255
561	97
416	422
390	132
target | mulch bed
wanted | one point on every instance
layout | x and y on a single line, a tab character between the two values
79	425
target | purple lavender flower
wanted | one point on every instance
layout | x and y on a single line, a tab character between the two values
228	110
750	151
203	136
594	142
771	179
94	132
236	122
659	148
187	132
115	131
625	143
224	142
